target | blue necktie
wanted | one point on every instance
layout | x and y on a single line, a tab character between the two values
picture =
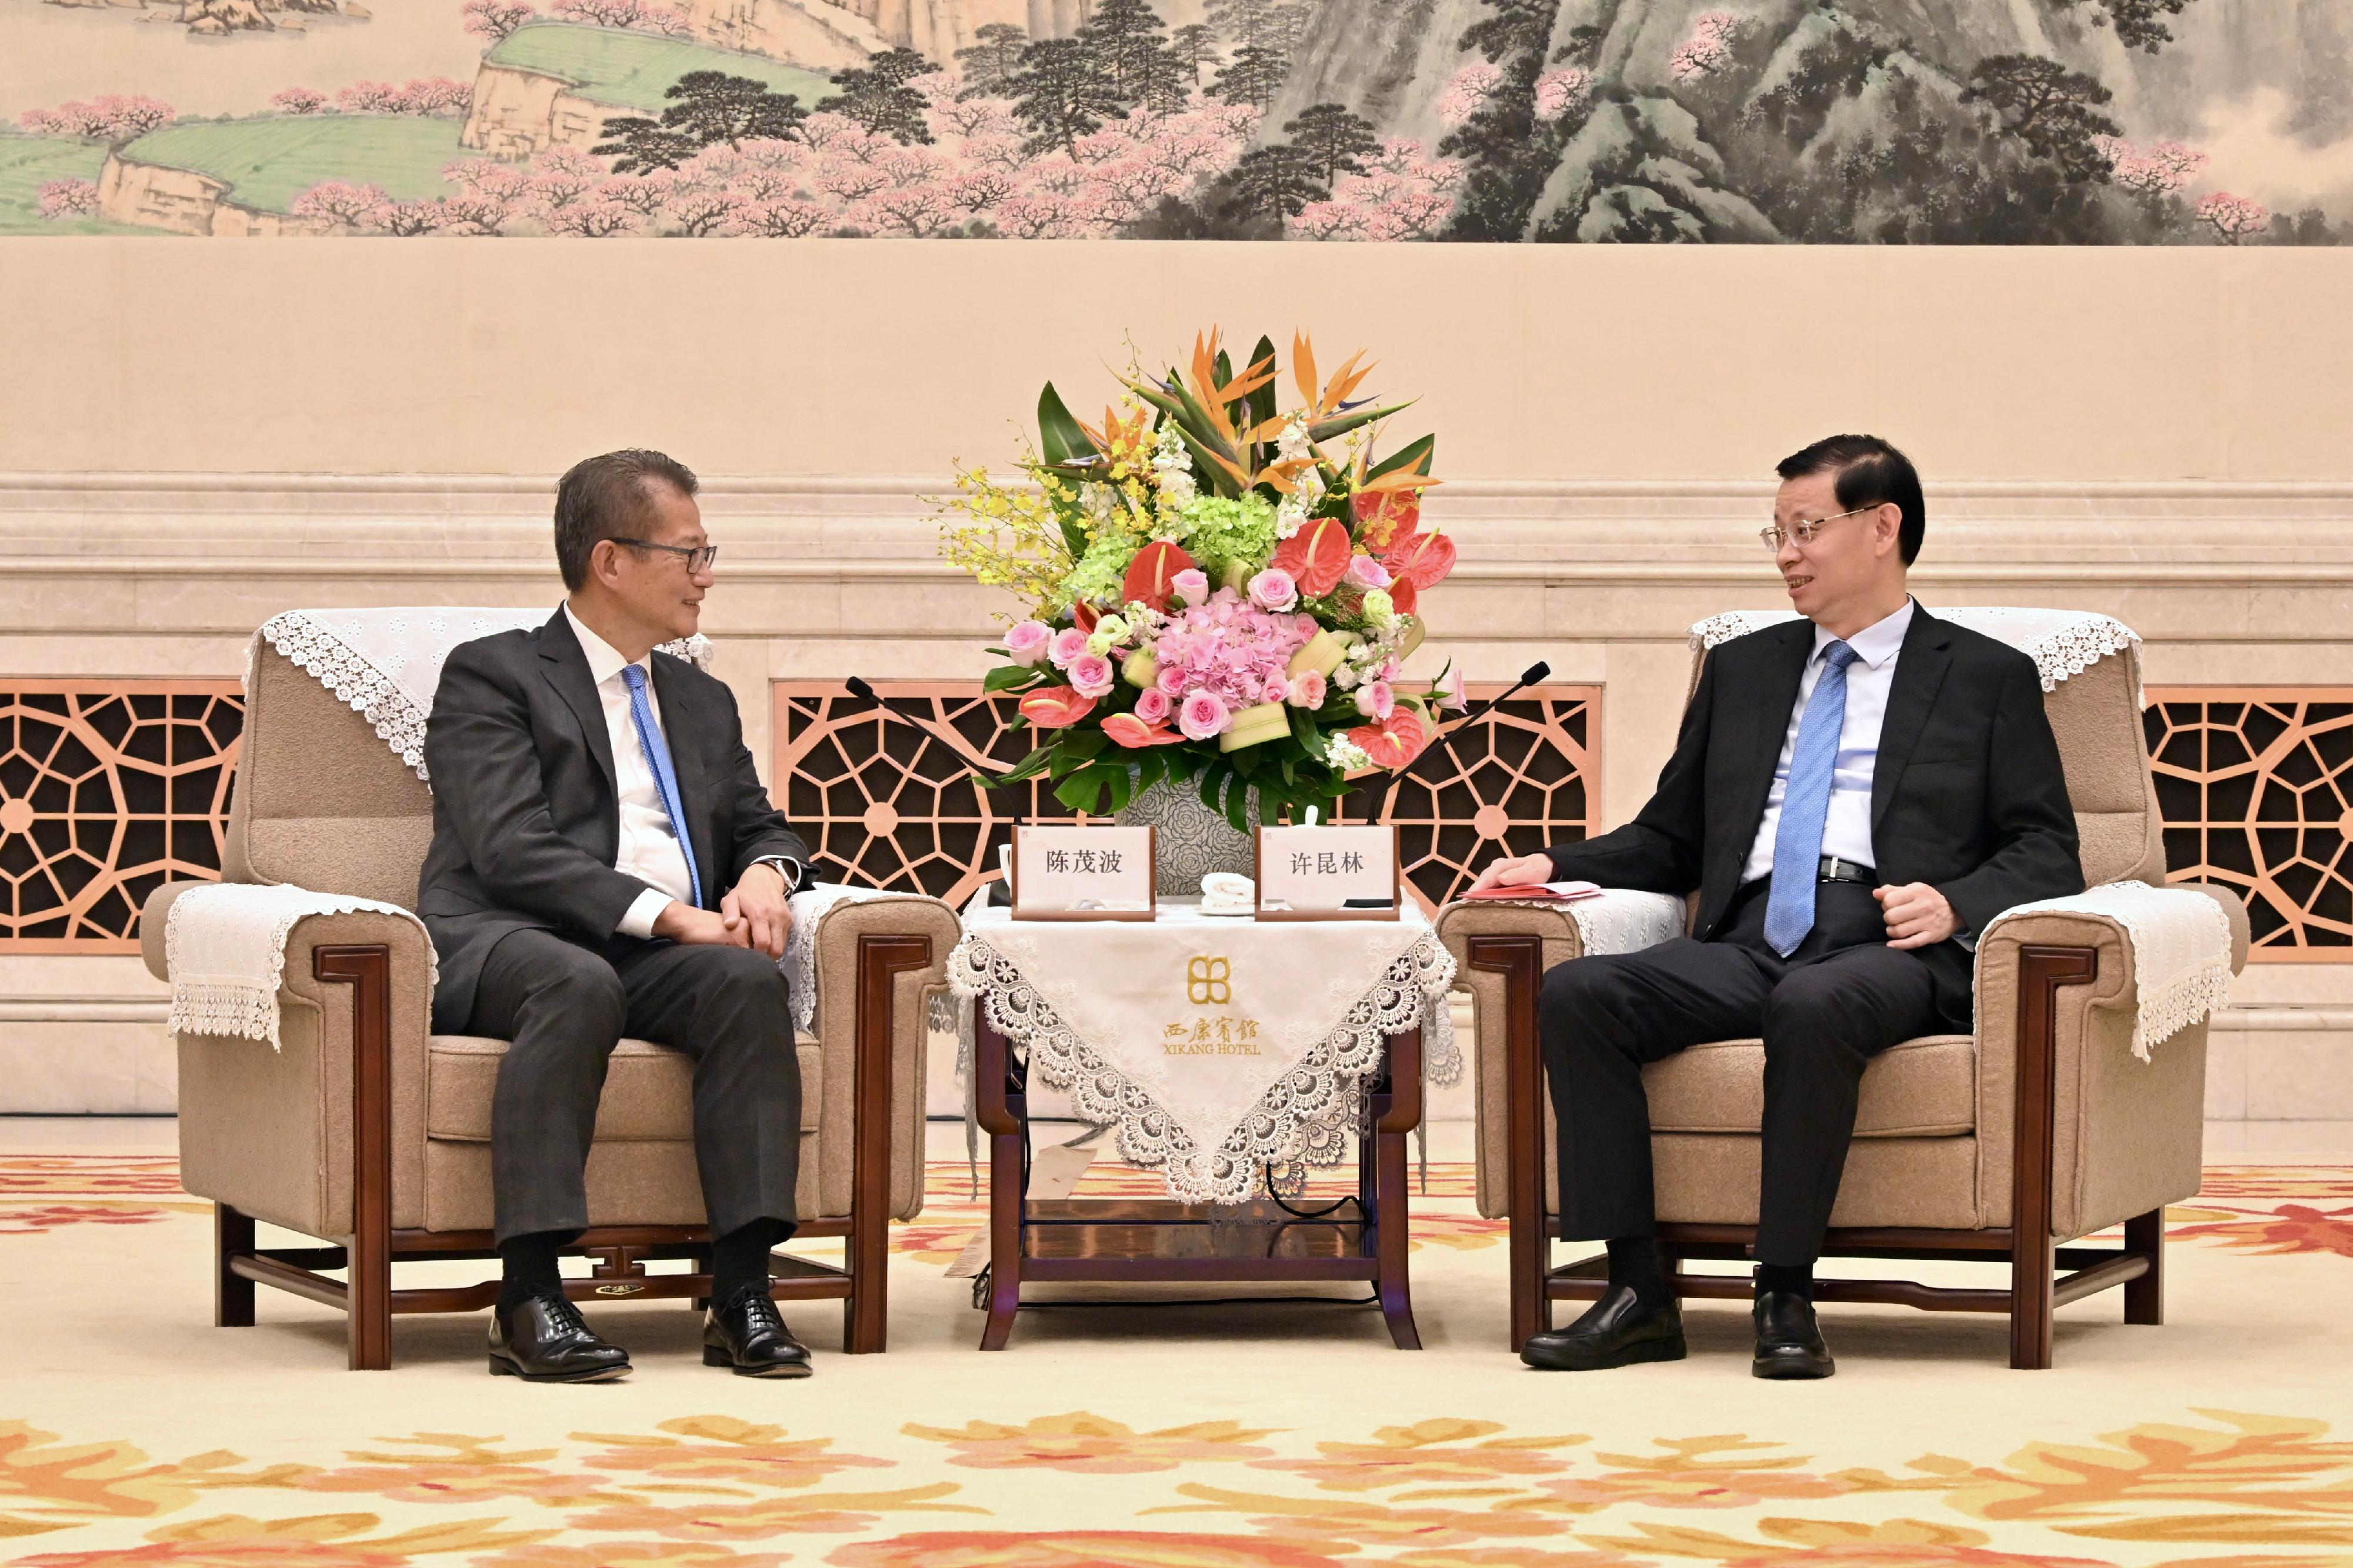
649	738
1806	806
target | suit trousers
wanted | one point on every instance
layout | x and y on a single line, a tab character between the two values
565	1004
1840	999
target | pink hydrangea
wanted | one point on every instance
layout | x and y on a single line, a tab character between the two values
1273	589
1091	675
1203	716
1068	644
1306	689
1151	705
1026	641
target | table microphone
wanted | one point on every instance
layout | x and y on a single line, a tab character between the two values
859	688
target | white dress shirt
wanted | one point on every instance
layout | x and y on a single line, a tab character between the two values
1846	831
649	847
650	850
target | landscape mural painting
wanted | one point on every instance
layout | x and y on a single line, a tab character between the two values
1749	122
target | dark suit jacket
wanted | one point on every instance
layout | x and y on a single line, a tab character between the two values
1966	794
526	813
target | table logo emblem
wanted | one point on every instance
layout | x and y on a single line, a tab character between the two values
1207	981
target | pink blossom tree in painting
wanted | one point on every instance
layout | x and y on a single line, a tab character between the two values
633	15
1708	48
299	100
110	118
2232	219
493	20
1468	91
61	199
2159	170
341	204
1401	195
1563	92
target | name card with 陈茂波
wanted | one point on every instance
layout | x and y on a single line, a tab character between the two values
1065	873
1327	873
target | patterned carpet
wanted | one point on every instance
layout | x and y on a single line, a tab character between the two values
1198	1436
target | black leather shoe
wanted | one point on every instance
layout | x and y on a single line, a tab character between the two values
747	1333
1617	1331
543	1339
1789	1342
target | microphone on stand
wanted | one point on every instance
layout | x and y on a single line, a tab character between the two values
1532	675
859	688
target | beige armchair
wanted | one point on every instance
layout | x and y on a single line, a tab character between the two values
2003	1146
371	1133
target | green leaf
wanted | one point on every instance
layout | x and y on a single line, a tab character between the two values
1059	437
1262	402
1403	456
1122	783
1011	678
1086	743
1341	424
1080	791
1220	480
1212	780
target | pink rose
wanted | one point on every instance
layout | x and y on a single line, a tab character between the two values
1203	716
1091	675
1276	689
1307	689
1374	700
1172	680
1151	705
1450	688
1192	584
1068	644
1027	641
1274	590
1366	572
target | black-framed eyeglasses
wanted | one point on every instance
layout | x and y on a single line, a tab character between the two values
698	558
1805	530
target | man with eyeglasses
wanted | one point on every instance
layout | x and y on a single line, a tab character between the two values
606	863
1853	795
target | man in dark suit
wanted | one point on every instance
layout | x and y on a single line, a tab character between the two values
1853	796
606	863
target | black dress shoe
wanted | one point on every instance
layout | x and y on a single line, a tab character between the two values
1618	1331
1789	1342
543	1339
747	1333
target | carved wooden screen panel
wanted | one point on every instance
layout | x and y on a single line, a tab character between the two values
108	788
2255	787
884	793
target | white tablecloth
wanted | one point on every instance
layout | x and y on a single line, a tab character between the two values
1217	1046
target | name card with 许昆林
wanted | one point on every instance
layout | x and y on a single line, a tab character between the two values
1065	873
1327	873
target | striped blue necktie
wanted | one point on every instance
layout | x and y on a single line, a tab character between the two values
1806	806
649	738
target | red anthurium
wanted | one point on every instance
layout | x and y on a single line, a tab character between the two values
1420	559
1151	575
1395	741
1403	596
1382	515
1056	707
1127	730
1316	556
1084	615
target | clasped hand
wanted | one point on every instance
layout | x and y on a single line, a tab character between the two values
1916	914
753	914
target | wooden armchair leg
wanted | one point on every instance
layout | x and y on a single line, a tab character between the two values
2145	1297
866	1252
232	1291
2042	972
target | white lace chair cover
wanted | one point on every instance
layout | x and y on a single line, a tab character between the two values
385	665
2061	642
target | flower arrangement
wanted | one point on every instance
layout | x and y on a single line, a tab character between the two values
1221	591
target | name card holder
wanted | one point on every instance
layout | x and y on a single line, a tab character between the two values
1314	871
1058	868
